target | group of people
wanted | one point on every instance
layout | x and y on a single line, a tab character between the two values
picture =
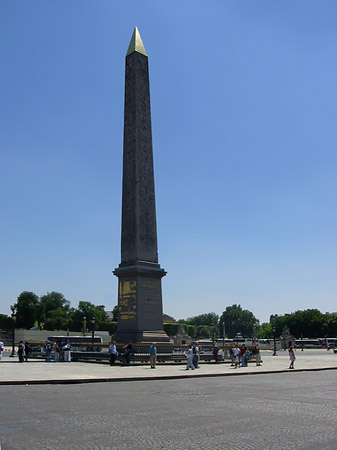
56	351
240	355
193	356
60	352
23	351
126	352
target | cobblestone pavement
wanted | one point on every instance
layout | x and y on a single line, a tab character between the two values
292	410
35	370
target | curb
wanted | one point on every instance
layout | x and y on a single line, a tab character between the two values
157	378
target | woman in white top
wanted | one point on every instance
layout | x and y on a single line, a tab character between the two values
291	357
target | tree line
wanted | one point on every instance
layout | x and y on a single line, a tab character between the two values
53	311
310	323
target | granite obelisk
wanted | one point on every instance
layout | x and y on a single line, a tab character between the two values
139	274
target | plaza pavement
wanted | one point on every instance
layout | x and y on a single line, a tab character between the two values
40	372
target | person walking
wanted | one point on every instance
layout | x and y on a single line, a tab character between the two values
216	352
27	350
113	352
189	356
66	351
2	348
153	355
291	357
47	349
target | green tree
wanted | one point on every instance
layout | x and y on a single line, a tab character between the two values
89	311
238	320
209	319
308	323
171	329
6	323
265	331
53	301
27	306
330	325
57	319
115	313
108	326
279	323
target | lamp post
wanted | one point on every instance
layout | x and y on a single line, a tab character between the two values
13	354
274	333
223	339
283	337
93	321
84	326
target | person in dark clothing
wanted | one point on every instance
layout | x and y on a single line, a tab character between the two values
21	351
215	352
127	349
244	356
27	350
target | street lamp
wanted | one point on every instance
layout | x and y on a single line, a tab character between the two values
84	326
13	354
93	321
274	333
213	331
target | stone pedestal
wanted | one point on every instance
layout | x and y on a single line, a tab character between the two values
140	304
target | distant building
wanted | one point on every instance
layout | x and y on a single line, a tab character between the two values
109	316
168	319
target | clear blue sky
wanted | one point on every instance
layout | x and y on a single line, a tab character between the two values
244	110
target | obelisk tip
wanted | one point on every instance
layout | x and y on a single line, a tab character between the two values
136	44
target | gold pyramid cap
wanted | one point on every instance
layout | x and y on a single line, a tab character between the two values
136	44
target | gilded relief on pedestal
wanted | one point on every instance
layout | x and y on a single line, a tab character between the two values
127	309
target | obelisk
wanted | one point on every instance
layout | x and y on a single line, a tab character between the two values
139	274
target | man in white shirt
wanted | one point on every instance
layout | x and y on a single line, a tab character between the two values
66	351
113	352
236	356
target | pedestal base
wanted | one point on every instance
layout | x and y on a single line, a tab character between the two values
140	314
124	337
